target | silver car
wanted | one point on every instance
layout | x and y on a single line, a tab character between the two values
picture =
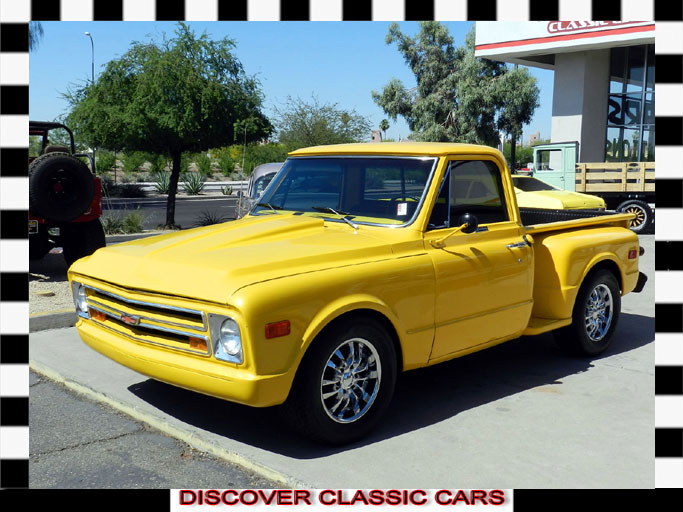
261	176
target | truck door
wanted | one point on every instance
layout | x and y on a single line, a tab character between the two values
555	164
484	279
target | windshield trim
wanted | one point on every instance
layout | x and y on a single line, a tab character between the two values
435	160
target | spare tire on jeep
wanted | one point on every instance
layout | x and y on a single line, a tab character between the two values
61	187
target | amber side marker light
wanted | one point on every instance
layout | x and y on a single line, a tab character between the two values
277	329
198	344
97	315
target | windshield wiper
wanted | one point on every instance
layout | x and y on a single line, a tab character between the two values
327	209
268	205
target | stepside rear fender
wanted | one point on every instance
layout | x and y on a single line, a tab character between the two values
563	259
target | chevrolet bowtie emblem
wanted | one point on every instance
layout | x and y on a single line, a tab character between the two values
130	319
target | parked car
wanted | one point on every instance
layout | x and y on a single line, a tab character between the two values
65	198
359	262
534	193
260	177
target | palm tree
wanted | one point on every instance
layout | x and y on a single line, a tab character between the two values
384	126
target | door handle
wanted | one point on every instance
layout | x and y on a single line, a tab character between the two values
516	245
527	241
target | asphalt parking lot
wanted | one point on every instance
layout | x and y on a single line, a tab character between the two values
520	415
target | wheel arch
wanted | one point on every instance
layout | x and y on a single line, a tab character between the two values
333	315
602	262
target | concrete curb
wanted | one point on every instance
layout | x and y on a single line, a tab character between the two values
52	320
164	426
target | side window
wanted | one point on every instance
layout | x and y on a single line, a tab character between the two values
476	187
549	160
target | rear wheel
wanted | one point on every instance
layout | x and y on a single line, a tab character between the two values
642	212
345	383
80	239
594	317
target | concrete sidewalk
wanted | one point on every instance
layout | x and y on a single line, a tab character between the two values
520	415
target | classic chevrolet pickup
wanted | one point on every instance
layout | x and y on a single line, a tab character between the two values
359	261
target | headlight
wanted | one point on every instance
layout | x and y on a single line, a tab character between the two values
227	339
78	291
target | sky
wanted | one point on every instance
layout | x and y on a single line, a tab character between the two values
337	62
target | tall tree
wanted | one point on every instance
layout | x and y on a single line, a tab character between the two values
183	94
458	97
302	124
384	126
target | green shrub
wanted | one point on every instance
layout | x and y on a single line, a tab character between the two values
158	163
204	164
112	224
226	163
133	161
162	181
104	161
123	224
207	218
133	222
194	183
227	190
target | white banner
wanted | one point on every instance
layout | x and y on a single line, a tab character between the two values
322	499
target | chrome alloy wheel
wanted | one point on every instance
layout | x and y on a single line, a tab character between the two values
350	381
598	315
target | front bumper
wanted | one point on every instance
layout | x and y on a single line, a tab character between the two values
194	372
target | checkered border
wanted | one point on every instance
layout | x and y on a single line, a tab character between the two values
14	18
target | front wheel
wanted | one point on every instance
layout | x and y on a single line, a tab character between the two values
594	317
345	383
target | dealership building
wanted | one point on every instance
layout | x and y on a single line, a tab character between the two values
604	83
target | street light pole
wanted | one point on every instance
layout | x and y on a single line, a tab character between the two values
92	45
92	82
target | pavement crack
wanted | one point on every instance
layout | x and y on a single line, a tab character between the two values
88	443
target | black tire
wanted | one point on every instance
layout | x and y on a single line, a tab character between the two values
587	336
80	239
61	187
316	417
642	211
39	243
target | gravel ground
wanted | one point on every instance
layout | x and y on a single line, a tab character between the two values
47	284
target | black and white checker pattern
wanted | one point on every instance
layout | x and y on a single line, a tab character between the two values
14	18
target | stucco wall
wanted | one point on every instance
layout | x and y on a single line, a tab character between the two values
580	102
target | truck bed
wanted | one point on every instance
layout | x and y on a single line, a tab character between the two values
537	220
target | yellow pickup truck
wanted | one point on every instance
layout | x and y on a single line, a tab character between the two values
360	261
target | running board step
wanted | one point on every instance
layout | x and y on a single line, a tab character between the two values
541	325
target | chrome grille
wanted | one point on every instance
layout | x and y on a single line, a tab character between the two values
151	322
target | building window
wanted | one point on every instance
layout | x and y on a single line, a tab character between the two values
631	106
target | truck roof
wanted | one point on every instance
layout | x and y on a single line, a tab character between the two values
398	148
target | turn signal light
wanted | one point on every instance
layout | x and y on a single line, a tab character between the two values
198	344
97	315
633	254
277	329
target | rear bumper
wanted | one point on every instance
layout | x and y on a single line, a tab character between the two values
642	279
196	373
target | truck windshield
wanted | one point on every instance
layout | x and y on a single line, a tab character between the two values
382	190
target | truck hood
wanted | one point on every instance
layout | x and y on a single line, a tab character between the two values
557	199
213	262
